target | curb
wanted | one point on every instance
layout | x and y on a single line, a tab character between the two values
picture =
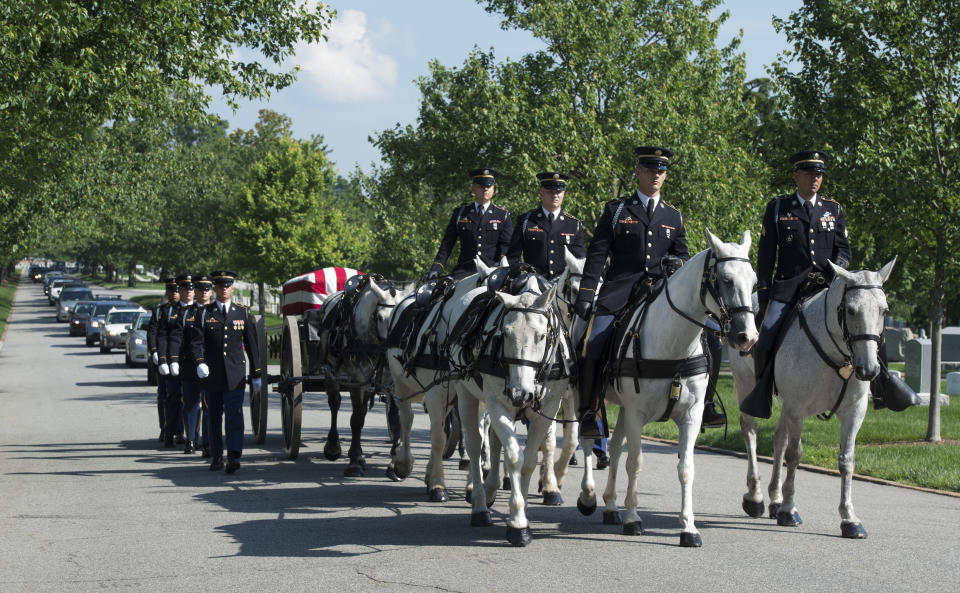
813	468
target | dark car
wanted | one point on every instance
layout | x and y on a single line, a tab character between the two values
95	319
78	318
68	298
36	273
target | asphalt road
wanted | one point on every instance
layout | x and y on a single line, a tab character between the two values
88	501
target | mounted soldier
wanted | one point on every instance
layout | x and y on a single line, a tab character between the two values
801	233
645	240
481	227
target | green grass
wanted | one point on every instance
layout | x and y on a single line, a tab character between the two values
6	300
890	445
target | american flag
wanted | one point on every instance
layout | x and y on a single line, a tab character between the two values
309	291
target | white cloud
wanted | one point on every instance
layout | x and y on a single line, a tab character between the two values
347	68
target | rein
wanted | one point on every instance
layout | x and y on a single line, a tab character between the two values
844	369
708	284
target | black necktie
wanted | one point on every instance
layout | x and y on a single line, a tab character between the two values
650	205
550	217
808	206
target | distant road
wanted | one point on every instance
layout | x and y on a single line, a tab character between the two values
90	501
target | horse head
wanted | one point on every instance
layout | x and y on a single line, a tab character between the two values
861	305
731	289
372	313
527	330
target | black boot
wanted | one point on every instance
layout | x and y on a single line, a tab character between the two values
591	385
892	392
711	417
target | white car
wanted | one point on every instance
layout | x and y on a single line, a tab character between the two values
137	341
116	324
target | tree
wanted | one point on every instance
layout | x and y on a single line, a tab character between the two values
287	224
67	68
879	84
614	74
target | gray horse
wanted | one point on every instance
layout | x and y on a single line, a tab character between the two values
825	363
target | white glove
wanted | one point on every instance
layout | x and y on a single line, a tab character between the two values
174	368
164	369
156	359
203	371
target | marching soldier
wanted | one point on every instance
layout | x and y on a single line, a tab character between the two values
481	227
185	367
168	354
637	232
158	317
801	232
542	233
223	333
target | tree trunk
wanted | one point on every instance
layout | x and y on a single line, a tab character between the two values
261	297
132	275
936	324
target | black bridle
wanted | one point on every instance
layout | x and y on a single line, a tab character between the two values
554	335
708	285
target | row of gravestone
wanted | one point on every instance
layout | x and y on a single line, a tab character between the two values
900	345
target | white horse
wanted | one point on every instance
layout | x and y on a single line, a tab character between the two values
534	354
417	384
719	282
827	366
358	368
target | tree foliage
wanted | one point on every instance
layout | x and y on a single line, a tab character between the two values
614	74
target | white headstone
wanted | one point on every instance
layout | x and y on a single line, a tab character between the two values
953	383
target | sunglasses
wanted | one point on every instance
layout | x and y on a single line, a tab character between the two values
224	283
202	287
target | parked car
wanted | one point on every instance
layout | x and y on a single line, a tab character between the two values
68	298
48	278
137	342
78	318
95	319
36	273
57	286
116	324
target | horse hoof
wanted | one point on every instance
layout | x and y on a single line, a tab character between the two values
773	509
506	484
612	518
353	471
393	475
552	499
585	509
439	494
464	465
785	519
633	528
853	531
481	519
332	451
519	537
690	540
754	509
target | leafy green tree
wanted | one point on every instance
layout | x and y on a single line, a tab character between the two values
67	68
879	84
614	74
287	223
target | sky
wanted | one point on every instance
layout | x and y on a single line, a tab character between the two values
362	80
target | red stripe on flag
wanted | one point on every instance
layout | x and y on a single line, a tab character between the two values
341	277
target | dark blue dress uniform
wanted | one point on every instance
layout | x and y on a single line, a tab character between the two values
190	383
539	237
219	341
168	351
158	319
635	233
487	234
797	240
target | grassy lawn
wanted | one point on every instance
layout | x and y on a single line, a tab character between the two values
99	281
6	301
890	445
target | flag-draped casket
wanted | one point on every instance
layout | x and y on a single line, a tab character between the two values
309	291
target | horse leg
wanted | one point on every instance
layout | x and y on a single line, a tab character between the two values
689	535
358	418
787	515
491	484
850	421
518	530
611	516
570	438
402	458
587	500
774	488
331	449
632	525
753	498
437	409
393	423
469	409
541	432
